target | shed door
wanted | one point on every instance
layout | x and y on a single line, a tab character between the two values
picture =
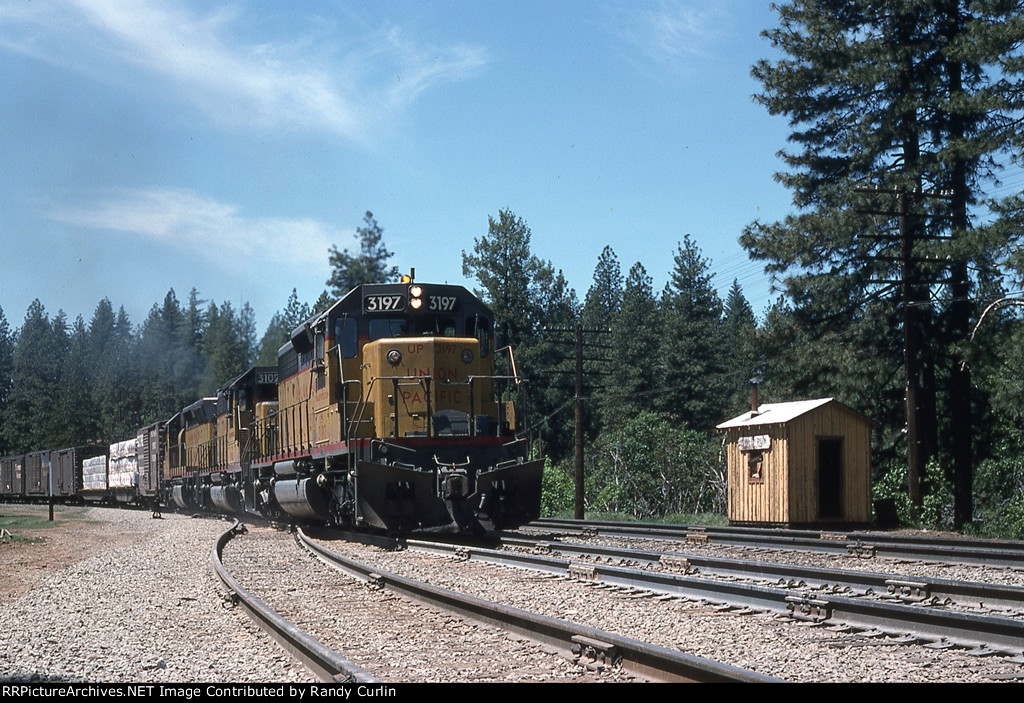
830	477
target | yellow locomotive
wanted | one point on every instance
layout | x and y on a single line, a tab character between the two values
208	447
384	412
390	415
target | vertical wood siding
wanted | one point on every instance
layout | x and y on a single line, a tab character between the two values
790	492
828	422
758	502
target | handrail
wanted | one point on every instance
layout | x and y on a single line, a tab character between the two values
289	422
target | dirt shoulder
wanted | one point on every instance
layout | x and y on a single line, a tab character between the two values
35	548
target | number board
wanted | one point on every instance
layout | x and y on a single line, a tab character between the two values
266	377
442	303
384	303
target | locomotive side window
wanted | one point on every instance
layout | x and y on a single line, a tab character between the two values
480	327
346	334
383	327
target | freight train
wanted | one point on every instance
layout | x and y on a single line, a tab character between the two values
384	412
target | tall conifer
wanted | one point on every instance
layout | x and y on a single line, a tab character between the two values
906	96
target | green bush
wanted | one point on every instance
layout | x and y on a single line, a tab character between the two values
999	496
650	466
936	502
558	490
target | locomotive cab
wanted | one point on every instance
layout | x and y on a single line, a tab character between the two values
192	451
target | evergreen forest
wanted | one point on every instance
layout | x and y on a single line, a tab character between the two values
898	273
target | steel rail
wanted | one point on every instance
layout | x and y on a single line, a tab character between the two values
326	664
903	587
586	644
982	633
1002	553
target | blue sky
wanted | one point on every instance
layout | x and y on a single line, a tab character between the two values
156	144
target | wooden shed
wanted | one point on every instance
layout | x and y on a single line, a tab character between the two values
801	463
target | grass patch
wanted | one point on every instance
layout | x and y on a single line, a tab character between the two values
26	522
16	523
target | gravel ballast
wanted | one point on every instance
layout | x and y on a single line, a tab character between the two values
116	596
138	602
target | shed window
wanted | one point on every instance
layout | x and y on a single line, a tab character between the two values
755	467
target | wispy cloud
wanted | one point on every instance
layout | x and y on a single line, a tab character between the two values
669	32
200	226
339	84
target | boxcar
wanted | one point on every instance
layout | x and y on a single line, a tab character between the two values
12	477
66	469
37	474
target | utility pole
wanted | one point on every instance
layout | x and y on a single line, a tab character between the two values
578	332
920	446
578	423
922	420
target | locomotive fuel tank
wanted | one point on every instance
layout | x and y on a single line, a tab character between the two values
302	498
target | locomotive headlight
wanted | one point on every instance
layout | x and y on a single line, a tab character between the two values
415	303
394	357
416	297
416	291
467	356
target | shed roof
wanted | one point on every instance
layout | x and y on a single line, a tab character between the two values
778	413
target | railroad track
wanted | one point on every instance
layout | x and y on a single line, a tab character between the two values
993	597
324	662
397	639
909	620
755	637
1002	553
593	647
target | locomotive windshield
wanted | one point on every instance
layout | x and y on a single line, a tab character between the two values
381	327
419	326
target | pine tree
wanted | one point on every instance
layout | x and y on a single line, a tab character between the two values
223	349
549	364
323	303
691	359
526	294
188	366
273	337
6	368
30	419
635	340
605	294
902	95
601	306
508	272
159	348
117	386
75	401
370	265
742	353
280	328
245	329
